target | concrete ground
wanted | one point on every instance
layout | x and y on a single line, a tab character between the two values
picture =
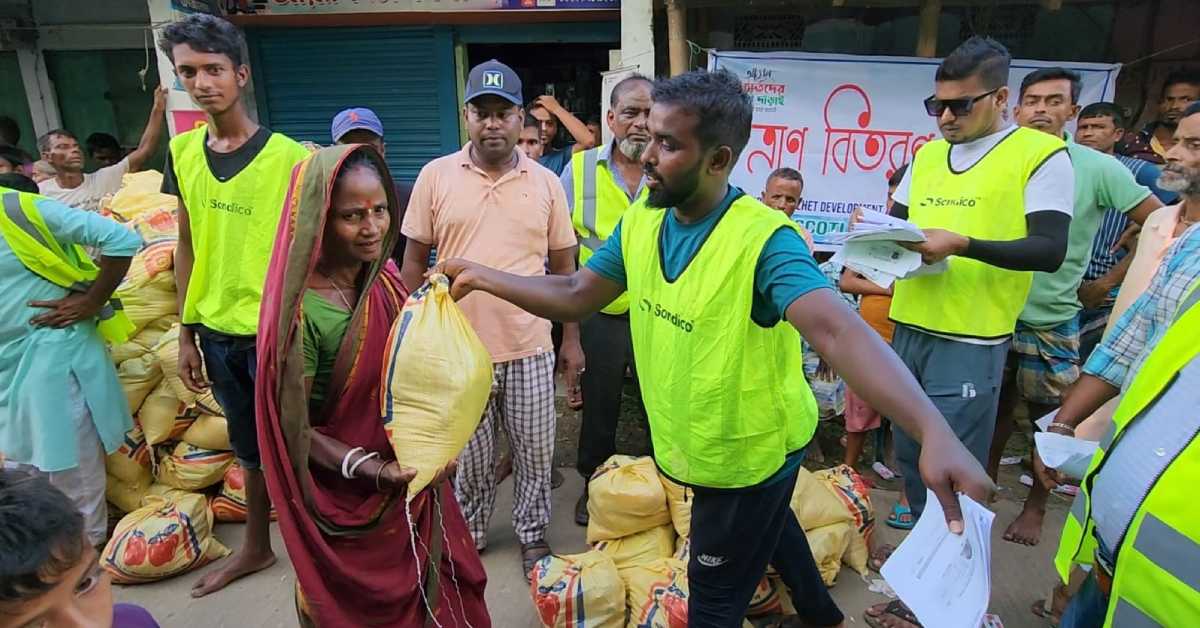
1020	574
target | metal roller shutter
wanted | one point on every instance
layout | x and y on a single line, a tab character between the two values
303	77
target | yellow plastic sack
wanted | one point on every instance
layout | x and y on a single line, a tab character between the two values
162	539
766	600
208	432
126	496
144	341
438	382
657	594
131	461
683	549
191	468
138	378
140	192
578	591
815	503
167	351
147	298
162	416
167	493
828	544
679	503
625	497
640	548
229	506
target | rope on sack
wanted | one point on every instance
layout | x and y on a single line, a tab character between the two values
454	576
413	540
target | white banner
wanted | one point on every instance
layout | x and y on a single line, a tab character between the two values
848	122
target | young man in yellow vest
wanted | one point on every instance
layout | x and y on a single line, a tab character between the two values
1135	520
231	178
995	202
718	286
601	183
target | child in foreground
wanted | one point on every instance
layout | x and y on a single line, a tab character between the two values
50	576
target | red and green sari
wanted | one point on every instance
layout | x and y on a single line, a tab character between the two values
351	546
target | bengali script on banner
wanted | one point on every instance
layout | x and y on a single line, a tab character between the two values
848	122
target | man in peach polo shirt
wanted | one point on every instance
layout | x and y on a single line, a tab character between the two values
492	204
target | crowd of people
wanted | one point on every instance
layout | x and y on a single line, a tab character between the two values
1072	286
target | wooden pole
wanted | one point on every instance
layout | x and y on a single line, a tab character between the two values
927	33
677	47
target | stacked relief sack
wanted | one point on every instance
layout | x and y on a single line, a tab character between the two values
625	497
657	594
128	472
578	591
161	539
834	508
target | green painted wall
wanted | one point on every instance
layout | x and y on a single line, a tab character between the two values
13	102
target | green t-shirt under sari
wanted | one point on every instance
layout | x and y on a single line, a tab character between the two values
324	325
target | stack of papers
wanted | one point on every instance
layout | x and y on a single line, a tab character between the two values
872	249
1069	455
945	578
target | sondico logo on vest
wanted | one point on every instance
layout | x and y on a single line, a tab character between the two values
942	201
230	207
659	311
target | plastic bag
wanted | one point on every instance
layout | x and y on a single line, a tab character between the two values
625	497
162	539
828	545
438	382
138	378
578	591
192	468
657	594
167	351
144	341
208	432
850	489
679	503
162	416
640	548
815	502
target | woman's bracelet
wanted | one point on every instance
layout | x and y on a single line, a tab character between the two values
346	462
379	474
358	463
1063	426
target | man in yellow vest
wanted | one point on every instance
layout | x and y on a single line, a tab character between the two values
231	177
1135	520
718	285
601	183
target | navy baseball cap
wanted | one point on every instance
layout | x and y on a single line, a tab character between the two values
355	118
496	79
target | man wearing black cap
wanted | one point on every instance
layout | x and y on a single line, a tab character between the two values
359	125
492	204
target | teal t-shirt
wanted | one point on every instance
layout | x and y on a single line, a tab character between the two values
323	326
1101	182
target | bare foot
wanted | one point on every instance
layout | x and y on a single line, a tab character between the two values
1026	529
238	566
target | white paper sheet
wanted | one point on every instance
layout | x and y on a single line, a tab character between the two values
1071	456
1044	422
944	578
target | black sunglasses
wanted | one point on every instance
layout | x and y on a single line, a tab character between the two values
958	106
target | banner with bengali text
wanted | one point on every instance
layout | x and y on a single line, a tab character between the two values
847	122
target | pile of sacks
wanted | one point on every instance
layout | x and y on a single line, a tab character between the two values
639	521
175	470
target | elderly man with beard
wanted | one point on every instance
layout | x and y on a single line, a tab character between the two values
601	183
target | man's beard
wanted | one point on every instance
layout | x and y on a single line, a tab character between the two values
666	196
631	149
1185	181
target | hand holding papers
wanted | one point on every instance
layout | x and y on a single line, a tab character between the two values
945	578
871	249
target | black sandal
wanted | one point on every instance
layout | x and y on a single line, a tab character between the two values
895	608
531	553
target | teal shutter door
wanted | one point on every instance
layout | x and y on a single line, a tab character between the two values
304	76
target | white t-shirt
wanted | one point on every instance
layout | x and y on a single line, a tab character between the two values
95	186
1050	188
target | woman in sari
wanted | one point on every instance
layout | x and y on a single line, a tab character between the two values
330	299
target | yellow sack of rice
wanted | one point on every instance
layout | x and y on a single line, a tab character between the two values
683	549
162	539
657	594
162	416
140	193
766	600
168	493
167	351
144	341
625	497
126	496
578	591
643	547
192	468
138	378
828	545
437	384
127	472
229	506
679	502
147	298
815	503
208	432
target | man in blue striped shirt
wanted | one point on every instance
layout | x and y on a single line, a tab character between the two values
1100	125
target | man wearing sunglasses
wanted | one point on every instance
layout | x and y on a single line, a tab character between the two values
996	200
